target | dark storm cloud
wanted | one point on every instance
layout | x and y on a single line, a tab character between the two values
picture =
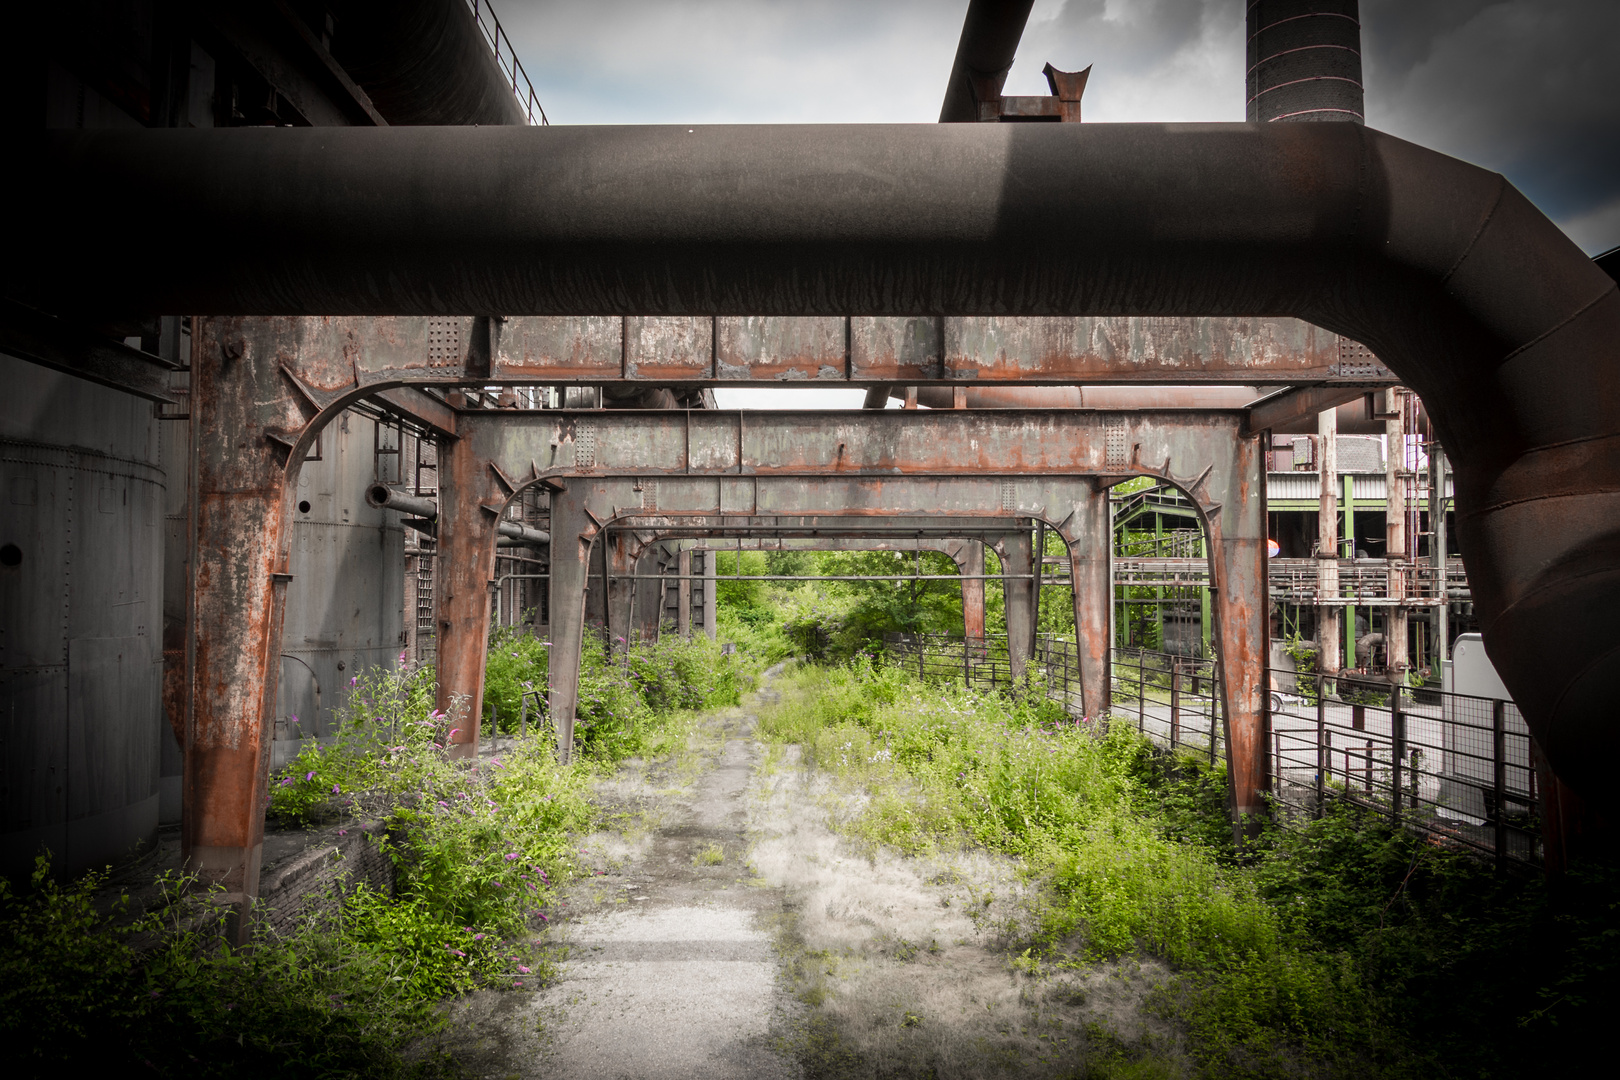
1530	88
1527	87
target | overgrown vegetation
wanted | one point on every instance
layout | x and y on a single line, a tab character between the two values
1339	948
479	851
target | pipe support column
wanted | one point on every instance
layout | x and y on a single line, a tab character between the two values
461	597
1017	562
572	536
1235	520
1091	574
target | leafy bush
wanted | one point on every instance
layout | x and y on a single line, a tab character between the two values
81	989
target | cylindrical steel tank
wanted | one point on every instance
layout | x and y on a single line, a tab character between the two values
81	616
1304	61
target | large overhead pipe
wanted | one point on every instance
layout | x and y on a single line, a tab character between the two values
1476	301
427	511
984	55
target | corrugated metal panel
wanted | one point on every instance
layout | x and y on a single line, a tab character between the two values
1291	487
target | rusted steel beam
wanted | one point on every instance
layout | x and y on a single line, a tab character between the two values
422	409
51	343
700	472
1297	409
866	351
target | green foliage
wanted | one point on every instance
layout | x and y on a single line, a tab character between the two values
1338	948
82	989
740	594
479	850
928	601
516	665
621	693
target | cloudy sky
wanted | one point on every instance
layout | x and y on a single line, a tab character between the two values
1527	87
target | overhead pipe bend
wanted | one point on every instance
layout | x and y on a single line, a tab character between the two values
1477	301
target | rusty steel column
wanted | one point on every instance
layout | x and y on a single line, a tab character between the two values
711	595
647	609
621	589
683	594
466	566
972	564
1395	475
573	532
1328	647
1017	559
1090	571
1235	519
236	588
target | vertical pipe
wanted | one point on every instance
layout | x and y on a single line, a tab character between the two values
1158	590
1038	563
1237	531
1141	690
1397	754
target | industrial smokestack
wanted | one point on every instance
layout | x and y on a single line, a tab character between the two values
1304	61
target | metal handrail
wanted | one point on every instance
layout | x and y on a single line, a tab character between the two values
495	33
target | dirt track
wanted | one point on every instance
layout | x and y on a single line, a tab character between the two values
730	932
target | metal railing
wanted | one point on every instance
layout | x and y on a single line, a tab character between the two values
506	59
1174	699
980	662
1454	766
1361	581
